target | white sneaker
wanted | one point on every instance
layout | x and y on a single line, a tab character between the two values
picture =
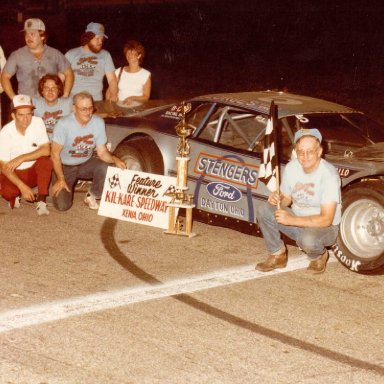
41	208
90	200
17	202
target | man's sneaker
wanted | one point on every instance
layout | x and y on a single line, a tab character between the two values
16	204
90	200
41	208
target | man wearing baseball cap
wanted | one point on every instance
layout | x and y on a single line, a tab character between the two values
309	209
31	62
90	63
25	160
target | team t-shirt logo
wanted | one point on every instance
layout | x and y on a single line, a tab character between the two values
86	66
303	193
82	146
50	119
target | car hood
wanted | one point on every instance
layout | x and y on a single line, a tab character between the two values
374	152
370	158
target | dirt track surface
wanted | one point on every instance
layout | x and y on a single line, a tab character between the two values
169	309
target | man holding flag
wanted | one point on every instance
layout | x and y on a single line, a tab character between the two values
306	207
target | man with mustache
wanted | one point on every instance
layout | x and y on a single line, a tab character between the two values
31	62
90	63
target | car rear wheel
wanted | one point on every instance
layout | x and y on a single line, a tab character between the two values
360	244
141	155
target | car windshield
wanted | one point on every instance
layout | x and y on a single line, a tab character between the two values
349	129
341	132
244	130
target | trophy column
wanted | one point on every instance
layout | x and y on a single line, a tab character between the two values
178	225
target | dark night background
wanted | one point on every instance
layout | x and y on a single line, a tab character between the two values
329	49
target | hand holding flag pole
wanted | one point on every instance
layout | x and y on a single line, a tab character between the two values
269	167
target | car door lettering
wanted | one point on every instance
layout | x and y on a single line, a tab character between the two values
222	207
226	169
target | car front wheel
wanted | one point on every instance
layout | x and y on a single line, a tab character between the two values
360	244
141	155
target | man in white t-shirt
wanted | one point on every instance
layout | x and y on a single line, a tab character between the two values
310	201
24	156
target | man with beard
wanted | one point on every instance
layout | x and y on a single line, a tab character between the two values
31	62
90	63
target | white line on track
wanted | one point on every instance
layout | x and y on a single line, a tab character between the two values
76	306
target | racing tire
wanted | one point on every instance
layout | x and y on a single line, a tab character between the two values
360	243
141	155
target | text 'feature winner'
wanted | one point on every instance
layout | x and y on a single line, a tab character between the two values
137	197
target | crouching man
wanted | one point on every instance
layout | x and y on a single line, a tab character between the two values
24	157
75	137
310	202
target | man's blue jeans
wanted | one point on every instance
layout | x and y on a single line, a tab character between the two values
94	169
311	240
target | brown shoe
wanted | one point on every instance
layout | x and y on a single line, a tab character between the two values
318	265
273	262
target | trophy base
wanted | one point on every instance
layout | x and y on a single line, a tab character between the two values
179	225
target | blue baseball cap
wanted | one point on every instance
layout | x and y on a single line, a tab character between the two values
307	132
96	28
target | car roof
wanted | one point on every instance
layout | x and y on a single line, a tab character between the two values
289	104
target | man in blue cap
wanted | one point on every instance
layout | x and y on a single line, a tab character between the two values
90	63
309	209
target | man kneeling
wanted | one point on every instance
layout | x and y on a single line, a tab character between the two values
311	197
75	137
24	157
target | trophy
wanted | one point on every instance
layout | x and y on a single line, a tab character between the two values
178	225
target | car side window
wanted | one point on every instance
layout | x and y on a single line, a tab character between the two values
197	117
234	128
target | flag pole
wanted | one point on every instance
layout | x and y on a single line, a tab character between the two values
278	185
274	117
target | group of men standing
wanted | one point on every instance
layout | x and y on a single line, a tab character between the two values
27	157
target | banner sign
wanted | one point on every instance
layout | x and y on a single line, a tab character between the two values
136	196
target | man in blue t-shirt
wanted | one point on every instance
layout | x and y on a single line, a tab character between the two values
75	137
90	63
309	209
51	106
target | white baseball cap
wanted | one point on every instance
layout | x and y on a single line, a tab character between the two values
22	101
33	25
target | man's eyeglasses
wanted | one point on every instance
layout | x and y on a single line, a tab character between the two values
85	109
308	153
53	89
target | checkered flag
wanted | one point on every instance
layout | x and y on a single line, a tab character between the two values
114	181
268	172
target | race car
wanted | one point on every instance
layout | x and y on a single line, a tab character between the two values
226	147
